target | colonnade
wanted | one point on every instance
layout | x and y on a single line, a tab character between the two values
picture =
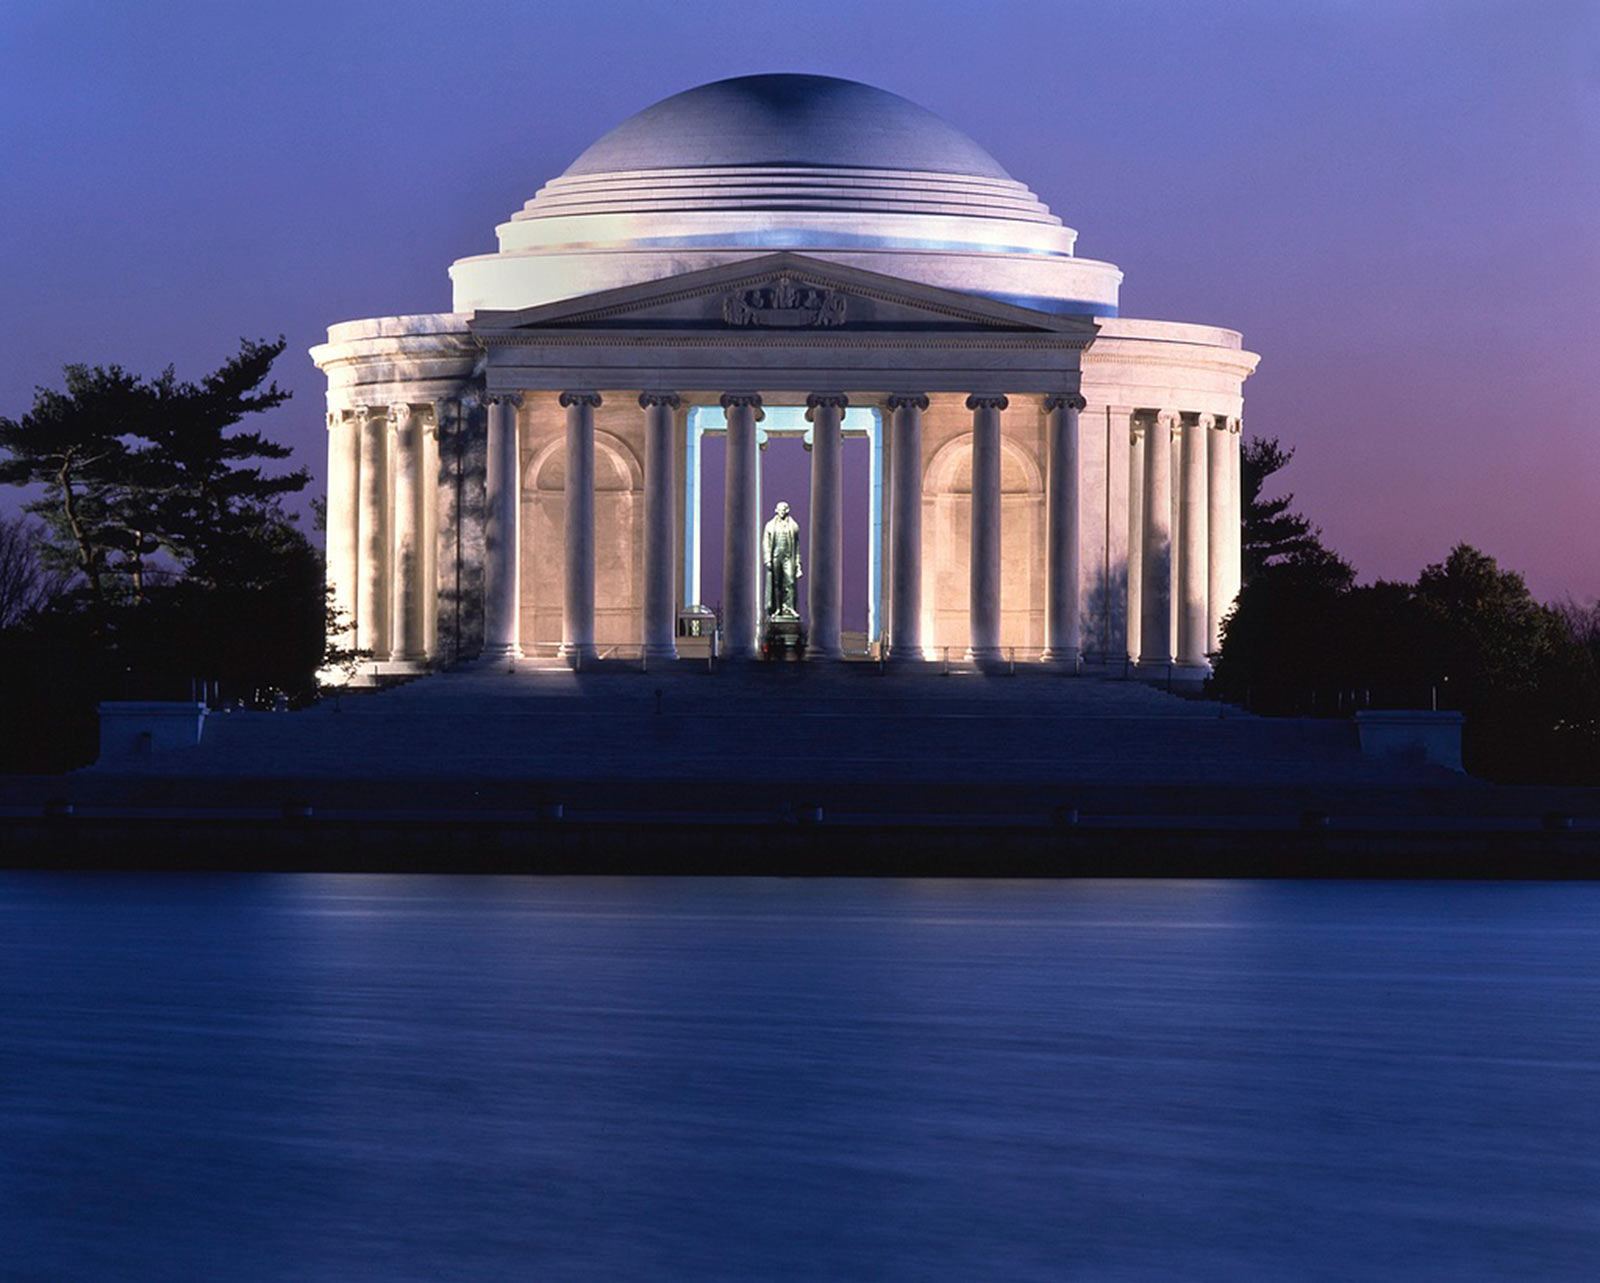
742	569
1184	535
380	526
1183	527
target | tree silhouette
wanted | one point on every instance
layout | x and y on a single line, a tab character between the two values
1273	532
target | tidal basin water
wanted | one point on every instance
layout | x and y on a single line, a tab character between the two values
359	1077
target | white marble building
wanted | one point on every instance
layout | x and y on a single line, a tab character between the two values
784	254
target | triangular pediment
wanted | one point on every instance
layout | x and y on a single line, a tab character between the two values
783	295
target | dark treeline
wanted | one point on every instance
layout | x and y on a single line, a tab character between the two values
155	560
1305	638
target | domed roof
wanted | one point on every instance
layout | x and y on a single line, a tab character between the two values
790	121
836	170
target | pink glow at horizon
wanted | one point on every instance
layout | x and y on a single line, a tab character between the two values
1396	202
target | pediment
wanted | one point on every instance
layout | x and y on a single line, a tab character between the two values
784	296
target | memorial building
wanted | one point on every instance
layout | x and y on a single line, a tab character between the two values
1050	480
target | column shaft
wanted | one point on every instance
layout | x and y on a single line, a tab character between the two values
1217	476
405	637
501	536
741	536
577	614
1156	628
905	525
660	546
372	588
1233	565
984	589
1192	553
1133	606
343	523
1062	640
428	433
824	588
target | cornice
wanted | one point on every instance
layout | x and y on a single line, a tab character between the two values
782	339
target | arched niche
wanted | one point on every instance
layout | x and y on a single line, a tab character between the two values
947	546
618	547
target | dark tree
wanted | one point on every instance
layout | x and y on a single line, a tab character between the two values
1466	636
73	444
1526	682
1273	532
27	586
131	467
211	501
171	524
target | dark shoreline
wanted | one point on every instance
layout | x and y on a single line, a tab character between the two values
1314	846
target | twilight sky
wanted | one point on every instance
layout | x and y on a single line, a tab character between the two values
1397	201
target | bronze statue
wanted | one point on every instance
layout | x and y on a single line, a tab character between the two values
780	553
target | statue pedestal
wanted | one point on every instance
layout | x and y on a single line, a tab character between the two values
783	639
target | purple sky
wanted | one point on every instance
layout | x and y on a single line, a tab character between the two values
1397	202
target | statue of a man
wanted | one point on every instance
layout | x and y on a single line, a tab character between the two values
780	553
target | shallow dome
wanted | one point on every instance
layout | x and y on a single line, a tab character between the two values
808	164
787	120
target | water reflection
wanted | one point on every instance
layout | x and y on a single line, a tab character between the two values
326	1077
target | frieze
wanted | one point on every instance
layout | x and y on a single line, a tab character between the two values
784	305
918	304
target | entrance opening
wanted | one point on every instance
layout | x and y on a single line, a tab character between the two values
785	473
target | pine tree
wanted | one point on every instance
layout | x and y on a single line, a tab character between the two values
130	467
73	445
1274	533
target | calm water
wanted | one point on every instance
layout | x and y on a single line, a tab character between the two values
335	1078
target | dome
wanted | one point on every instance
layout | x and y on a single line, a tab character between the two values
815	165
787	121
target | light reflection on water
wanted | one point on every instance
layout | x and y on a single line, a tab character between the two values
319	1077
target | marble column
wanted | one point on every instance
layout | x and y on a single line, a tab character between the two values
343	523
984	600
741	535
405	626
660	545
373	575
1133	607
1155	634
905	525
825	556
1193	558
1062	640
446	543
502	600
577	614
430	427
1233	564
1217	477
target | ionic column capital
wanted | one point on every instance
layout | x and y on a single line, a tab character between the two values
399	412
825	401
1205	422
570	399
907	401
499	398
1171	419
1065	401
742	401
650	400
987	401
1236	426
